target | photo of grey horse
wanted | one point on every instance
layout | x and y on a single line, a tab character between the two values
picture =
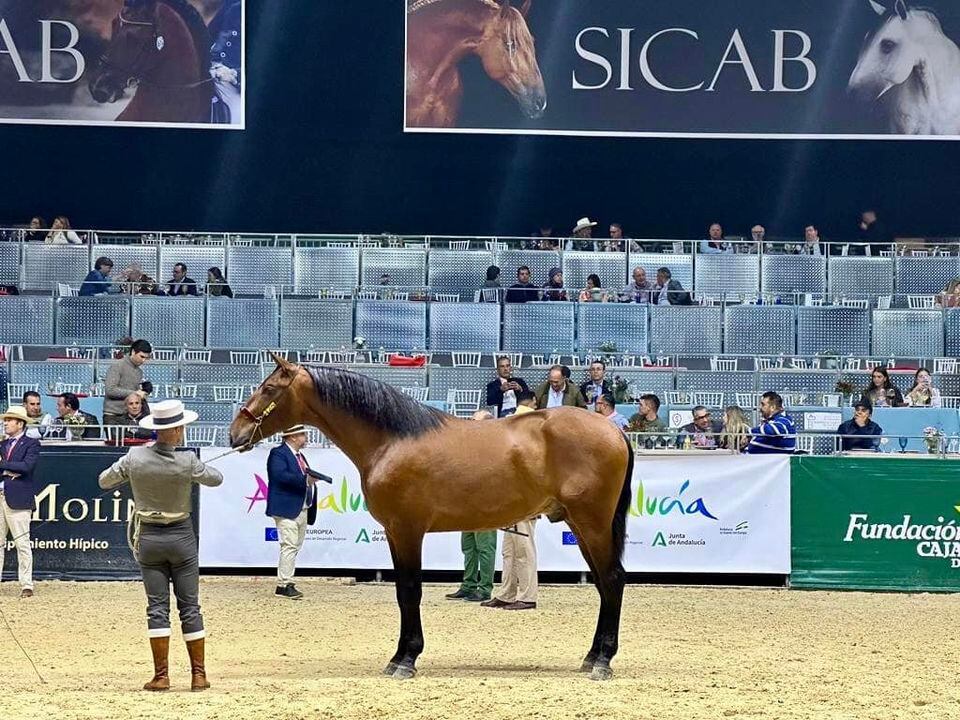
912	70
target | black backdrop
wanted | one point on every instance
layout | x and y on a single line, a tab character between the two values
324	152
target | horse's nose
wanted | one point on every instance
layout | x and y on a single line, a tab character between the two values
535	103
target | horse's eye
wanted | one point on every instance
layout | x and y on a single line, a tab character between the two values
887	46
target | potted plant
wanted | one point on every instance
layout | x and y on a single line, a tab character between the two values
933	437
846	390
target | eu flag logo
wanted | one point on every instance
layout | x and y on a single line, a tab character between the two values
569	538
270	534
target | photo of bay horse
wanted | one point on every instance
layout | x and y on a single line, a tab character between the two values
442	33
160	48
912	69
424	471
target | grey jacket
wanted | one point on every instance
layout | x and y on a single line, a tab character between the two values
161	479
123	378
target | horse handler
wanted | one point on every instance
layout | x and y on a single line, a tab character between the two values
163	539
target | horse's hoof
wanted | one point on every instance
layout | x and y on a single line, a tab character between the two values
404	673
587	665
390	669
601	672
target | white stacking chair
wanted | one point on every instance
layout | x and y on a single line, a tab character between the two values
854	303
944	366
799	363
98	389
707	399
494	246
793	399
244	357
339	244
64	290
15	391
886	253
315	356
804	444
852	363
188	391
463	403
78	353
466	359
266	356
63	387
749	400
871	364
831	399
269	292
950	401
114	434
883	302
228	393
447	297
920	253
201	435
676	397
417	393
459	245
921	302
367	295
168	354
196	355
343	357
723	364
401	296
516	359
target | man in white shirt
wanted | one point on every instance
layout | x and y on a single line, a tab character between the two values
39	423
559	391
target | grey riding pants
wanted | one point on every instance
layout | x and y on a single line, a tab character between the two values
168	554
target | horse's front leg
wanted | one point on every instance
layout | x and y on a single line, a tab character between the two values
406	549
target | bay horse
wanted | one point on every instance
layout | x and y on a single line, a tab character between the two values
912	68
162	47
422	471
441	33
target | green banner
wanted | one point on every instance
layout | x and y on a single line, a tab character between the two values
875	523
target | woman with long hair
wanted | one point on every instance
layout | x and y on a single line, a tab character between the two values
553	290
593	292
217	284
923	393
61	234
736	429
881	392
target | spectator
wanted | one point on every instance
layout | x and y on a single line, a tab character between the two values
582	235
97	281
607	406
777	433
70	415
180	284
217	284
923	393
598	384
704	432
491	292
553	290
736	429
504	390
523	290
758	233
543	239
38	422
592	292
135	412
811	242
861	432
639	290
125	377
715	244
881	392
616	241
871	233
950	297
558	391
526	402
35	231
669	291
61	234
479	556
137	282
648	421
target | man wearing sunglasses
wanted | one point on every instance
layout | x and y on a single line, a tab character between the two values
703	431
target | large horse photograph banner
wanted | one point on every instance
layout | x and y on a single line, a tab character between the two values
874	69
688	514
163	63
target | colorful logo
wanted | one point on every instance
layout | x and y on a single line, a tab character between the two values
569	538
668	505
659	540
259	495
271	534
362	536
343	501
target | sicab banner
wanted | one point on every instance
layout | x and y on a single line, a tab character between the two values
161	63
688	513
685	68
876	523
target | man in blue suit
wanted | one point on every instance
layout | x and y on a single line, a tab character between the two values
291	502
18	457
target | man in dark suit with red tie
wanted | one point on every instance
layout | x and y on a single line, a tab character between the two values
18	458
291	502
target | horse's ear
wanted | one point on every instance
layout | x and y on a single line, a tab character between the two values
525	8
504	7
878	8
901	7
282	363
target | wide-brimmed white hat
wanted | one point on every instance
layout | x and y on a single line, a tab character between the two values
583	223
168	414
17	412
295	430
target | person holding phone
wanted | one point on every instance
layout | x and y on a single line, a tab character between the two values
923	393
504	389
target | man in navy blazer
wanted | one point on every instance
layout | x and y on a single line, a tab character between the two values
291	502
18	458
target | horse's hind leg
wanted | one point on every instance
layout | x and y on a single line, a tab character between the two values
591	657
405	547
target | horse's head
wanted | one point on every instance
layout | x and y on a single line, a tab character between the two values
891	52
509	56
275	406
135	47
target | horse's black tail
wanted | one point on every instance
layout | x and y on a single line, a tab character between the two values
623	503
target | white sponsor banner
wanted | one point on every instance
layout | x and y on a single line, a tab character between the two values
689	512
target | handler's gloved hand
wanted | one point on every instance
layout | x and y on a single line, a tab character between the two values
147	387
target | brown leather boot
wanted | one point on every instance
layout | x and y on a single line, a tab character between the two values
161	649
198	672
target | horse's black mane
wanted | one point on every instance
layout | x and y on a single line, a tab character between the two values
373	401
198	28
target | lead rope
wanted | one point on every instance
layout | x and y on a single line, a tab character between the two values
19	645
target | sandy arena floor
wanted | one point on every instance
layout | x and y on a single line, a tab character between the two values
685	653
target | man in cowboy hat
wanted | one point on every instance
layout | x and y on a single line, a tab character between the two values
18	457
163	539
291	502
583	235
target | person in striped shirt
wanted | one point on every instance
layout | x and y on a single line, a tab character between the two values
777	433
